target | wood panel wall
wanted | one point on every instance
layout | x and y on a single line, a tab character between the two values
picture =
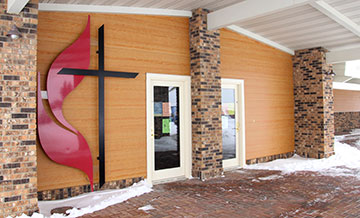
269	101
158	44
346	100
133	43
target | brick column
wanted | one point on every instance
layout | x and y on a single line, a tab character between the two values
18	181
314	110
206	97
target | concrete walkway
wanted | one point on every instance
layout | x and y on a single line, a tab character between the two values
247	193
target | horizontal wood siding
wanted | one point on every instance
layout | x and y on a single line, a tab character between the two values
346	100
133	43
269	101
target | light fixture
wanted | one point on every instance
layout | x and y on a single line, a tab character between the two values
329	72
14	33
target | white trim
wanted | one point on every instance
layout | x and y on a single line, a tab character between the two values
344	47
249	10
44	95
112	9
15	6
334	14
240	161
343	56
260	38
346	86
185	100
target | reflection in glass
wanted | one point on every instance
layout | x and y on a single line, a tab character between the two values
166	127
228	123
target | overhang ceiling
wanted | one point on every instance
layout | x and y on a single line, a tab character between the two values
302	27
288	25
187	5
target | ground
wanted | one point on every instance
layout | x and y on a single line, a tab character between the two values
247	193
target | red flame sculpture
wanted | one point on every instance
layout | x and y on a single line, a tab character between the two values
61	145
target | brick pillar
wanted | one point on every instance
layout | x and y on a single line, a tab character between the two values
314	110
18	181
205	97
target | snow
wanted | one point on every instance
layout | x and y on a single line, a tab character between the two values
91	202
146	208
345	162
271	177
228	136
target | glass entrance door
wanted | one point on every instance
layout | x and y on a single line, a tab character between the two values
233	126
168	127
228	118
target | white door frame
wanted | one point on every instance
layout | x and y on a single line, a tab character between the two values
240	160
185	126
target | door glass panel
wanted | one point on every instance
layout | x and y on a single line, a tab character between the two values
166	127
228	123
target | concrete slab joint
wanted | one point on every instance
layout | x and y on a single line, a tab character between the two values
206	97
314	110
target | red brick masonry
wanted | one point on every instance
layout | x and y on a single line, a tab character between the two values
346	121
246	194
205	97
57	194
18	178
314	110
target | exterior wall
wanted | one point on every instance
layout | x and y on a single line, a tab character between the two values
346	100
133	43
346	121
269	101
17	112
314	111
67	192
205	97
347	111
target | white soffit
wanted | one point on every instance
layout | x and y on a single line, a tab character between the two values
15	6
338	17
346	86
259	38
183	5
295	24
284	24
301	27
349	8
112	9
343	55
249	10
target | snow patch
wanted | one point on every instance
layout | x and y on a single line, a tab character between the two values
345	162
146	208
90	202
270	177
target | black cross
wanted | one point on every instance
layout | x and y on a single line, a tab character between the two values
101	73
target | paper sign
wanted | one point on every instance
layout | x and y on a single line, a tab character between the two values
166	126
166	109
231	108
158	109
